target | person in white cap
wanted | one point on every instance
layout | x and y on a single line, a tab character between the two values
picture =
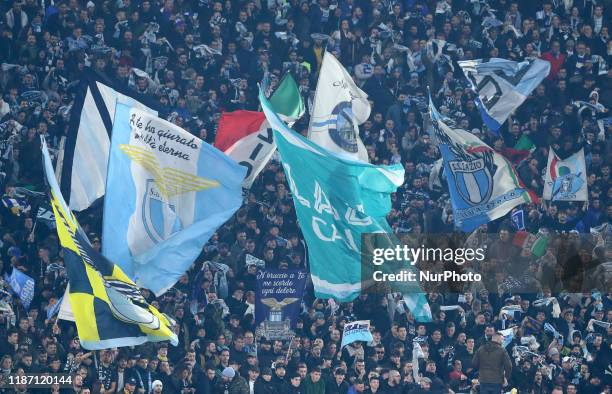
232	383
157	387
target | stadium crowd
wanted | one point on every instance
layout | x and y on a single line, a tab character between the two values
197	58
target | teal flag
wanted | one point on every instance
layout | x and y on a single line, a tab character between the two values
336	200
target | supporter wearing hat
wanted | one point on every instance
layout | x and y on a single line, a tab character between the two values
157	387
130	386
232	382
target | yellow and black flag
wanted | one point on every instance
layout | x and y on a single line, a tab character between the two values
109	309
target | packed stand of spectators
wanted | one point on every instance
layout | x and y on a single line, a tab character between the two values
199	58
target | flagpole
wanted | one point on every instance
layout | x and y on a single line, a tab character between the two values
289	350
314	100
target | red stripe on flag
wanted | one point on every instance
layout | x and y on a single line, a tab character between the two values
553	167
236	125
519	238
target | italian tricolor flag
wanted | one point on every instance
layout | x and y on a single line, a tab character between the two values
536	243
246	136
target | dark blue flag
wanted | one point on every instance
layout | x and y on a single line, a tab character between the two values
278	296
518	220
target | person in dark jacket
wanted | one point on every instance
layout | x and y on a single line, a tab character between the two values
313	383
336	384
493	365
293	385
264	384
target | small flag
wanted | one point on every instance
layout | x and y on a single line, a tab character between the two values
52	310
536	243
22	285
356	331
287	101
565	180
508	335
518	219
524	143
45	215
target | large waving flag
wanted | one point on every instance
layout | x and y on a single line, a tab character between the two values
339	108
167	193
109	309
84	160
502	85
566	180
246	137
336	200
483	184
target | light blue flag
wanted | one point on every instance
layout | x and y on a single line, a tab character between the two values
167	192
23	286
337	200
53	309
502	85
508	336
356	331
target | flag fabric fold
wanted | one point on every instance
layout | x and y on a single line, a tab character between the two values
502	85
339	107
109	309
167	193
483	185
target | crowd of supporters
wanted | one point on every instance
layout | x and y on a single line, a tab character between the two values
197	58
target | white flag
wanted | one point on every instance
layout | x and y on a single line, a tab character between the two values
338	110
565	180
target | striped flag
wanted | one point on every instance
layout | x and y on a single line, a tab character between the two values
83	162
536	243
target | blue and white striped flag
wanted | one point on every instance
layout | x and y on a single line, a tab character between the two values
502	85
